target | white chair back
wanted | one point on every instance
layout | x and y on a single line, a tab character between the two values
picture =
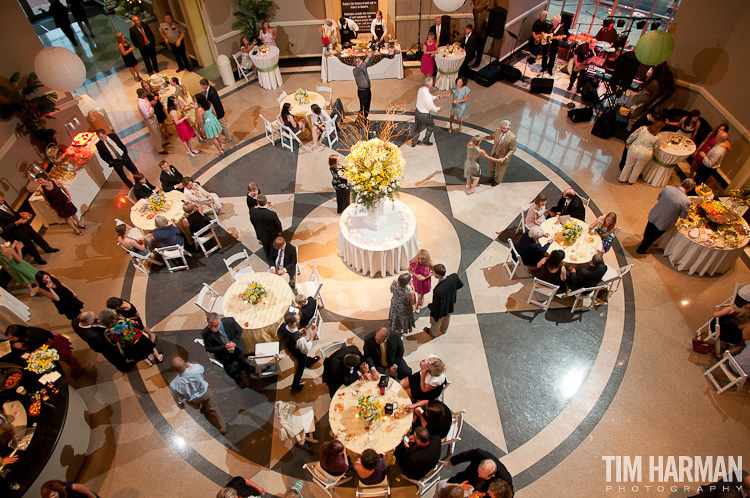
172	256
312	286
243	71
329	350
288	137
367	490
513	266
203	236
328	89
241	268
454	434
323	478
735	375
704	333
586	298
272	129
331	133
546	289
522	225
209	300
428	481
130	196
730	300
281	97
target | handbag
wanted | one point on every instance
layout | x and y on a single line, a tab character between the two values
704	347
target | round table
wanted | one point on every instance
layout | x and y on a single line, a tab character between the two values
447	67
659	169
143	218
303	110
578	253
259	321
382	435
692	255
269	76
378	241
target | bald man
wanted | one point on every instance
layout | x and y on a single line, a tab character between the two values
189	387
483	468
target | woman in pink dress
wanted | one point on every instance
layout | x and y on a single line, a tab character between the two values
182	125
420	268
428	59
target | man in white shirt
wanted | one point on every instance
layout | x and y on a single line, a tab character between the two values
422	118
147	112
189	387
298	345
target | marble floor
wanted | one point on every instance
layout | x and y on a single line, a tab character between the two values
551	393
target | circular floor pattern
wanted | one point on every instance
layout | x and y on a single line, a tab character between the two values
533	384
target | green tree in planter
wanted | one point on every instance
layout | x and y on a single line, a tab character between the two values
32	112
251	14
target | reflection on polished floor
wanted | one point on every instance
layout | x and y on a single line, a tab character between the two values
550	393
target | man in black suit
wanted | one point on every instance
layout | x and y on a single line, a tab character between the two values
284	259
113	152
213	96
570	204
420	455
442	33
305	307
170	178
143	188
223	338
87	327
298	343
483	468
443	300
384	353
266	224
344	367
16	227
144	40
470	43
590	276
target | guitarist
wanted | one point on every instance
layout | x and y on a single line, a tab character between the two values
556	33
582	57
538	32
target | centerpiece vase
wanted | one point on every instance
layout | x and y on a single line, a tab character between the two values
375	218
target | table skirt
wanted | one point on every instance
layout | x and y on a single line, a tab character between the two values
269	76
687	255
332	69
371	262
656	174
447	71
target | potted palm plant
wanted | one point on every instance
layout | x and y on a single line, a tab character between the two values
31	111
251	14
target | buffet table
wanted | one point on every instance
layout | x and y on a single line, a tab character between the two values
143	217
355	432
667	155
269	76
579	252
448	65
332	69
259	321
385	250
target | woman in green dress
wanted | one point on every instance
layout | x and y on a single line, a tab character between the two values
21	271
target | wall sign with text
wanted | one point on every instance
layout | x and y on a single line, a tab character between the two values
360	11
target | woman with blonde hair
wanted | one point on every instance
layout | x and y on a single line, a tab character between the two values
128	57
187	105
640	144
471	165
420	268
605	226
535	214
429	382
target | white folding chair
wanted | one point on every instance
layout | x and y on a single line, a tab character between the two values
131	197
585	298
331	133
454	434
734	373
209	300
586	201
428	481
323	478
730	300
705	333
311	287
329	350
328	89
546	289
516	263
203	236
379	489
171	254
243	266
139	261
243	71
209	208
281	97
522	225
272	129
267	357
287	135
613	281
211	357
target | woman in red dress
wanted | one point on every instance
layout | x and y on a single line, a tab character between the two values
428	58
59	200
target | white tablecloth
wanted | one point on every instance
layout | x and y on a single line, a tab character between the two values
447	68
659	169
687	254
145	220
269	75
581	251
13	307
82	189
332	69
386	251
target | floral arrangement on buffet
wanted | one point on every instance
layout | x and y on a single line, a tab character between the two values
42	360
703	190
301	96
374	168
699	225
370	408
253	293
740	196
157	202
571	231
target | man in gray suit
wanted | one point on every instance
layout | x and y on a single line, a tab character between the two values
223	338
503	149
671	204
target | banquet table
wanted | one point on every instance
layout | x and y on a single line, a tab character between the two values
578	253
303	110
447	67
694	256
659	169
355	432
332	69
144	219
258	321
386	250
269	76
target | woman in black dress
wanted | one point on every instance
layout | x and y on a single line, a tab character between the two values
429	382
551	269
58	198
65	300
79	14
128	57
194	220
340	185
161	115
252	195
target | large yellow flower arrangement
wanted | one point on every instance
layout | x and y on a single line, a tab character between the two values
42	360
374	169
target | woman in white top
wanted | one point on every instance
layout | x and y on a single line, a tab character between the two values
640	144
535	214
378	28
198	195
267	35
321	120
246	49
428	383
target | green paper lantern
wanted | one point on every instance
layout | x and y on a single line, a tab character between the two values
654	48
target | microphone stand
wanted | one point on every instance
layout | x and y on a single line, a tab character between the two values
418	45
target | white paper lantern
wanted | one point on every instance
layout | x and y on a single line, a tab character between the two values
59	68
448	5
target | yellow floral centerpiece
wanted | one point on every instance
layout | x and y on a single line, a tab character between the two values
374	169
571	231
42	360
370	408
254	293
301	96
676	139
156	202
